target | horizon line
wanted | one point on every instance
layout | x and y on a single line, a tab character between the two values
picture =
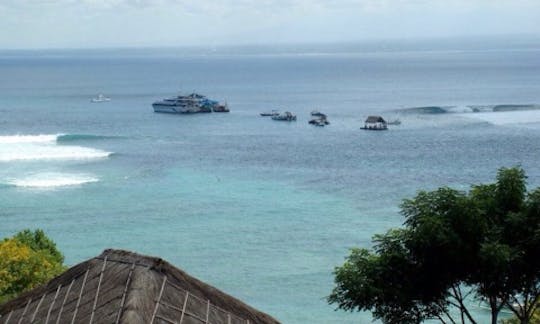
370	41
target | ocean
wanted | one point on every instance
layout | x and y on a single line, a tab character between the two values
263	210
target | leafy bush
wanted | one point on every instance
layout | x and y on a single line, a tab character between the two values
27	260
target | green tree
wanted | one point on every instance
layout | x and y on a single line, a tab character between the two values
535	319
27	260
454	245
39	242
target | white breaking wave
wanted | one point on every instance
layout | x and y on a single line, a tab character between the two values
51	180
459	109
43	147
35	152
507	117
17	139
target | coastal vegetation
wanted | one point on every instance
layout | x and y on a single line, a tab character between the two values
455	249
27	259
535	318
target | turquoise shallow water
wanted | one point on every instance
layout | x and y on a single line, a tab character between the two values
263	210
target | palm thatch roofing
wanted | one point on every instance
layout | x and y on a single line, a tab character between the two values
375	119
124	287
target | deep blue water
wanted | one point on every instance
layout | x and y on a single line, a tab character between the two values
261	209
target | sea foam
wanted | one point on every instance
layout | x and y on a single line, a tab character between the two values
507	117
19	139
52	180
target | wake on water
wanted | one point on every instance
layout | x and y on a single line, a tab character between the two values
17	149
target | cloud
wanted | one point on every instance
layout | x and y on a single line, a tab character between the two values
267	6
45	23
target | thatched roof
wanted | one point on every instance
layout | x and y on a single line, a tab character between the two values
375	119
124	287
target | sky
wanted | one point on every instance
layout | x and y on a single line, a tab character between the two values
27	24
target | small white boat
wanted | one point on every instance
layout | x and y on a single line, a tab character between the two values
100	98
320	121
221	108
317	113
286	116
269	114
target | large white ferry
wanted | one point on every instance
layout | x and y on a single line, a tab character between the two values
188	104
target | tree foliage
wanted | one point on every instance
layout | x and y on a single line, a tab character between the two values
38	241
27	260
535	319
454	245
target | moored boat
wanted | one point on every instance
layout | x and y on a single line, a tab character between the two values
188	104
320	121
317	113
269	114
221	108
100	98
286	116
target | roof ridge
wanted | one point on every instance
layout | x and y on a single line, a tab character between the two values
135	293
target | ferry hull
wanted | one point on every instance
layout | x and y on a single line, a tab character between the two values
173	109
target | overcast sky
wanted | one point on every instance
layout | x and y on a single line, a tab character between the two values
126	23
